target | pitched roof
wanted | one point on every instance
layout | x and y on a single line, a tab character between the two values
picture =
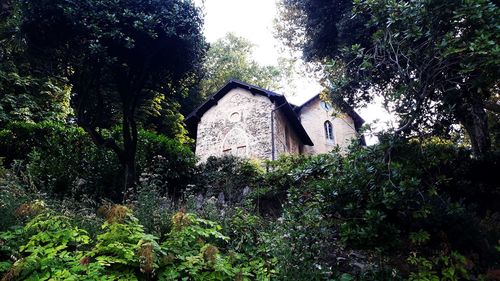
358	121
280	101
345	107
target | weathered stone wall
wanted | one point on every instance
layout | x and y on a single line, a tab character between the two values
240	124
313	117
286	140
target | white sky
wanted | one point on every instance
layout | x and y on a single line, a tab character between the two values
253	20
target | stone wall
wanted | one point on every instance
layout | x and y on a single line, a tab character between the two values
286	140
240	124
313	117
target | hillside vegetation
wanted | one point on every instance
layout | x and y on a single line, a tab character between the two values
400	210
98	179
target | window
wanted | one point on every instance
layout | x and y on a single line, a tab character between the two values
234	117
241	150
328	131
325	105
235	143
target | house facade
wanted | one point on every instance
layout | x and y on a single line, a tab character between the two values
251	122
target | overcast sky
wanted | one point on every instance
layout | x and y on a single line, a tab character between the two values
250	19
253	20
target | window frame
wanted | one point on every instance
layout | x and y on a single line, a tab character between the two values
329	135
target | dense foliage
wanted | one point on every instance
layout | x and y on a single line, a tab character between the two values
434	62
395	211
124	61
51	247
63	160
398	202
24	94
90	91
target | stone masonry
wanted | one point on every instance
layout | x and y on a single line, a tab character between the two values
237	121
240	124
313	118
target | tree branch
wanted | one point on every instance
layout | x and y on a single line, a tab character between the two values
492	106
100	140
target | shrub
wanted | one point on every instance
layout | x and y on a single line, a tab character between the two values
17	139
62	160
228	176
120	249
14	192
249	235
375	200
152	207
53	248
169	163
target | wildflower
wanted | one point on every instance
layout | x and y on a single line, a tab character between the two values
146	258
210	252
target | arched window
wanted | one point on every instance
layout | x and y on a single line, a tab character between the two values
328	131
235	143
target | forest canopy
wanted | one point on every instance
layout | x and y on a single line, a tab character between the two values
434	62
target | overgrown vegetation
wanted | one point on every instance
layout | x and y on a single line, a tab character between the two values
63	161
435	63
393	211
98	182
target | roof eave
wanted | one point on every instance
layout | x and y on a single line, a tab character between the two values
195	116
358	120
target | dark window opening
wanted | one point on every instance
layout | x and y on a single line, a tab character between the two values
328	130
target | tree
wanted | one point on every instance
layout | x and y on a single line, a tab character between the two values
24	95
119	56
164	116
230	57
28	98
436	62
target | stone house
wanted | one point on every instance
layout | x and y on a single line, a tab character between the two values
248	121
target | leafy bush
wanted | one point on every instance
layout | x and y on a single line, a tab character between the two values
169	163
14	192
363	214
28	97
17	139
379	202
227	176
63	160
191	251
451	267
53	248
249	234
386	212
118	253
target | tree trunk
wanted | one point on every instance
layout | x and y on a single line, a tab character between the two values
475	121
129	176
129	131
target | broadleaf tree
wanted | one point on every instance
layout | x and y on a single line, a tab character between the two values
24	95
436	62
118	57
230	57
